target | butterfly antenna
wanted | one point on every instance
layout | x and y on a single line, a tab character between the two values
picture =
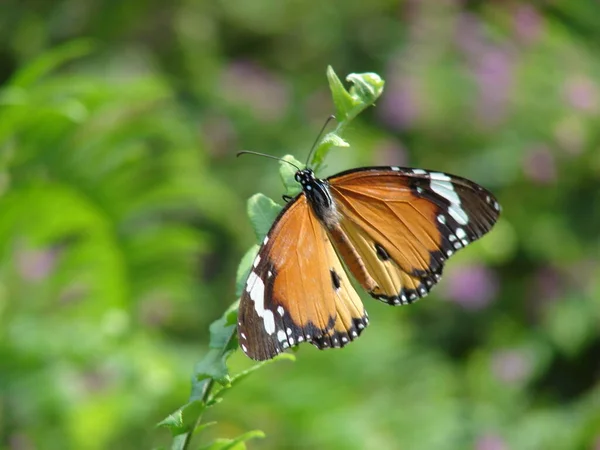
248	152
314	146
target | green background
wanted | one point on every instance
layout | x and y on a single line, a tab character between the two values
123	218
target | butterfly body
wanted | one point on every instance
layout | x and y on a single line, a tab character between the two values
392	228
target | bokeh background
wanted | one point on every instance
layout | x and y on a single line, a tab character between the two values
122	217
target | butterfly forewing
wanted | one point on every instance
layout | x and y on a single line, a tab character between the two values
405	223
297	290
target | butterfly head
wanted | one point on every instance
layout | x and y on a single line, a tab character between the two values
305	177
318	195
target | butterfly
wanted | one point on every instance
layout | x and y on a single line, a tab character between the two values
391	228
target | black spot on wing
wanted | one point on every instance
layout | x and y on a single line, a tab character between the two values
335	279
381	253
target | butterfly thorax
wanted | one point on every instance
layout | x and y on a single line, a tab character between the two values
318	196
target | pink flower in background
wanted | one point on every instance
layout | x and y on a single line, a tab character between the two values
473	287
581	93
36	264
490	442
390	152
245	82
494	75
547	284
528	24
399	106
469	36
539	165
491	67
510	366
219	134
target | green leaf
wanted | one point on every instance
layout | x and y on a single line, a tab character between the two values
367	87
213	366
50	60
262	212
329	141
334	140
244	269
234	444
236	379
343	101
183	420
288	173
220	333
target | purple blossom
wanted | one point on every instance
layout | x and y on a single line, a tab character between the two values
469	36
220	135
510	366
539	165
473	287
247	83
490	442
399	107
547	284
581	93
391	153
494	75
528	24
491	66
36	264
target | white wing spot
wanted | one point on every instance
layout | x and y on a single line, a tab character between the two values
496	206
452	238
243	335
441	184
281	336
423	291
256	289
344	339
395	169
396	301
266	240
460	233
280	310
256	261
289	331
465	242
413	296
403	298
457	245
441	219
419	190
244	348
449	252
419	172
285	344
300	338
292	342
354	333
458	214
360	326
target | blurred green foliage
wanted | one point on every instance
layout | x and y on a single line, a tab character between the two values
123	218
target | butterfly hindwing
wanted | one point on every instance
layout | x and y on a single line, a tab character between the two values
297	290
405	223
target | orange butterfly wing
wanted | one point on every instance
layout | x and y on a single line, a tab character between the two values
297	290
405	223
